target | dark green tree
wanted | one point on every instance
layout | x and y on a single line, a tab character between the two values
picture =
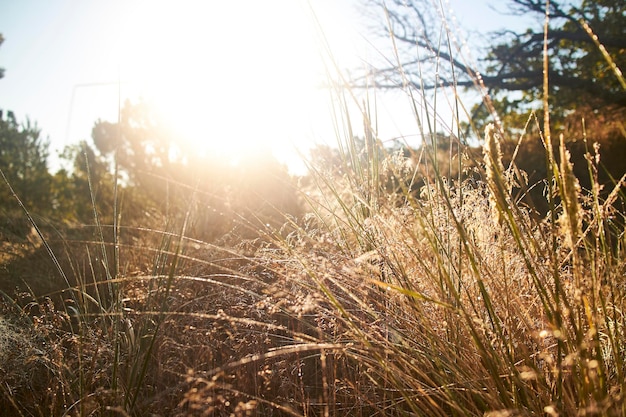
24	165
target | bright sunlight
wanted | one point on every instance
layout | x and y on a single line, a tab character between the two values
231	76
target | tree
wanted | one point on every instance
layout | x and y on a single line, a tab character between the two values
23	161
138	142
87	182
173	179
581	77
586	45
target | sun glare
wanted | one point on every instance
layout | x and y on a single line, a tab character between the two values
233	76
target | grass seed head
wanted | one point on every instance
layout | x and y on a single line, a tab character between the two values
571	218
495	170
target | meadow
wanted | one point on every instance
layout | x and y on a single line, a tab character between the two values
409	282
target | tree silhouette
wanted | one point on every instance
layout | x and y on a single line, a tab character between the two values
172	178
582	75
88	181
23	161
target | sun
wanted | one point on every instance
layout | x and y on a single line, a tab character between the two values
233	76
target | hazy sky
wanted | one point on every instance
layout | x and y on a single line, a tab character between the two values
228	72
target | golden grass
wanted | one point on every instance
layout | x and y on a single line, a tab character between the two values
454	300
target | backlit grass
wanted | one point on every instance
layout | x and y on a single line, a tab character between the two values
416	283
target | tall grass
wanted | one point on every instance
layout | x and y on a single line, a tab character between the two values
449	300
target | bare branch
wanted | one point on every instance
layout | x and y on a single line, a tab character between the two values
514	64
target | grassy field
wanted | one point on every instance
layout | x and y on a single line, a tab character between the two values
384	299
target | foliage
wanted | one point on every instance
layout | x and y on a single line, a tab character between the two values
581	77
226	191
454	300
584	78
451	302
88	181
23	162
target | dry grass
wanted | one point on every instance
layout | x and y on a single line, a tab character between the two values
455	301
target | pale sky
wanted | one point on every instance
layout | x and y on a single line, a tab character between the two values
227	72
